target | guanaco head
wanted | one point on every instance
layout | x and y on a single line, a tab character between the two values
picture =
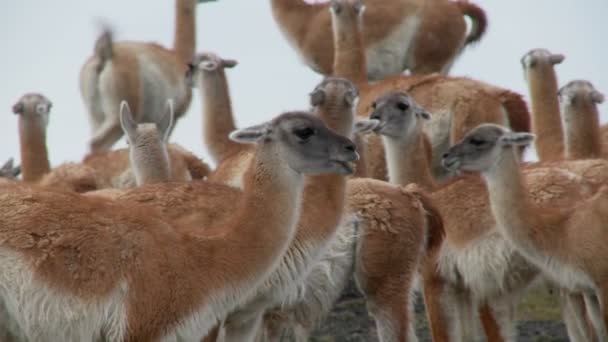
8	170
394	115
304	142
480	149
540	59
148	145
346	10
207	63
579	93
334	91
34	107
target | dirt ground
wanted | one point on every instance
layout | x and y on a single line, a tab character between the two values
538	320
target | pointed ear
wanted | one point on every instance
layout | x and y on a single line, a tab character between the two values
423	114
18	107
317	97
229	63
556	58
597	97
249	135
363	126
129	126
517	139
7	166
165	122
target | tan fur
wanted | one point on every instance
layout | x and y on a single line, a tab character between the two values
106	243
143	74
466	211
308	27
111	165
458	104
581	120
542	85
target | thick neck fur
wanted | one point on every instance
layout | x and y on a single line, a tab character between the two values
582	131
511	207
546	119
218	119
184	40
349	59
407	160
150	163
34	155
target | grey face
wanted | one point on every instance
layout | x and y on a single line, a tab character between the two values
347	7
334	91
482	146
304	142
34	106
208	62
537	57
397	114
578	93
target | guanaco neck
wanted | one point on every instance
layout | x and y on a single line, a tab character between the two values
511	207
34	155
184	39
407	160
218	120
150	163
349	50
546	119
582	128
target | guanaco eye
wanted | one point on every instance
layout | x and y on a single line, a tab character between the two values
304	133
403	106
476	142
373	105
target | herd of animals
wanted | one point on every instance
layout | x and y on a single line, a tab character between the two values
398	176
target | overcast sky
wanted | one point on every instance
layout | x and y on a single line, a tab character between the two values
44	44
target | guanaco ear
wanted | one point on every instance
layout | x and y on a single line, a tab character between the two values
18	108
129	126
597	97
229	63
7	170
363	126
165	122
8	165
249	135
517	139
317	97
423	114
556	58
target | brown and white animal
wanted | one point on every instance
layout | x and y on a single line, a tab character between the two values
33	112
109	270
538	65
458	104
145	75
474	265
579	100
420	36
568	244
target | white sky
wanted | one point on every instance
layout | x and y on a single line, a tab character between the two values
44	44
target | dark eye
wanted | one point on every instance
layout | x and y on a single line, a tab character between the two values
403	106
476	142
373	105
304	133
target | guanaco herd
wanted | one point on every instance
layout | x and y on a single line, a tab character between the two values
149	243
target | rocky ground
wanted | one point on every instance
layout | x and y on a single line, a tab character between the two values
538	320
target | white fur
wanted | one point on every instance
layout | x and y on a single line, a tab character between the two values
391	55
45	314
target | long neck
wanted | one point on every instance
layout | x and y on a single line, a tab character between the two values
184	40
218	119
408	161
546	120
264	223
150	164
582	131
512	209
349	49
34	155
